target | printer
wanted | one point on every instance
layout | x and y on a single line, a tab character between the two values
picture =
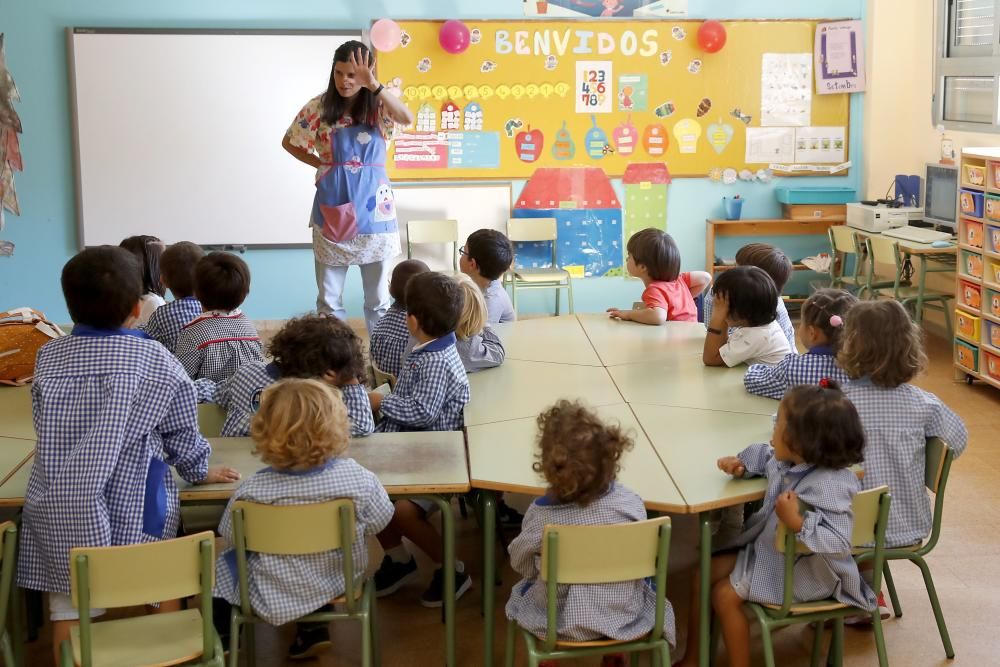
877	219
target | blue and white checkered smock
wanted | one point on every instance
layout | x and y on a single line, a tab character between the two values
773	381
240	398
431	391
283	587
483	350
166	322
112	410
499	309
623	610
897	423
783	320
829	571
388	340
215	345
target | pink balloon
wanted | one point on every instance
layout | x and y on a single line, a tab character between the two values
454	36
385	35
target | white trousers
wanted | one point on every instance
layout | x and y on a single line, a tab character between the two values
375	280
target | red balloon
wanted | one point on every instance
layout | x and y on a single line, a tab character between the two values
711	36
454	36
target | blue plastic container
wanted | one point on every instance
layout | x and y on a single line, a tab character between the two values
733	207
790	195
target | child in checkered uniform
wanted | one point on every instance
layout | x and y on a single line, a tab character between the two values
389	336
486	255
579	457
301	432
111	408
314	346
477	343
817	438
430	395
177	274
822	322
221	339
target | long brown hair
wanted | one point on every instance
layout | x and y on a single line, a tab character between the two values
363	105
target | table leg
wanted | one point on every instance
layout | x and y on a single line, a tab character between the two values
919	315
488	502
704	591
448	533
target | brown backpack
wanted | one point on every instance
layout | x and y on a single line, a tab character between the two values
22	332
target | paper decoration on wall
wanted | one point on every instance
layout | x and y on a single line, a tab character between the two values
588	216
839	57
404	39
785	89
595	140
6	248
655	140
704	107
485	92
665	110
819	144
517	91
424	65
593	86
563	148
666	57
426	118
440	93
719	136
503	91
633	92
528	144
470	91
473	150
551	62
607	9
547	89
645	186
487	66
694	66
715	174
678	33
473	117
476	36
729	176
10	147
420	150
743	117
770	144
625	137
532	90
511	125
687	131
455	92
745	175
450	116
423	92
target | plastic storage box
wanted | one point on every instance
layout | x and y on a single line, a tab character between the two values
970	294
972	264
973	233
991	209
967	356
992	305
790	195
991	365
967	325
971	203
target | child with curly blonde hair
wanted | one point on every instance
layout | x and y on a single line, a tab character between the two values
579	456
301	432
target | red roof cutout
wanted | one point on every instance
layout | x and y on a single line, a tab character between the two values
587	187
646	172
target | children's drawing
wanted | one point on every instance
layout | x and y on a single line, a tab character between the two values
655	140
563	148
595	140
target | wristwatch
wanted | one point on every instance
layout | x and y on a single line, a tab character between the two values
717	332
378	90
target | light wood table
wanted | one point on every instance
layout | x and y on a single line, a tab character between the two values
685	382
15	412
519	389
15	453
619	342
559	340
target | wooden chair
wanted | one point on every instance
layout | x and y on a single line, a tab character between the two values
523	230
381	377
883	250
138	574
871	516
843	247
298	530
598	555
419	232
937	465
211	417
8	546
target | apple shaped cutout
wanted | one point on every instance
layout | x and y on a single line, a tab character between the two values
625	137
719	136
528	144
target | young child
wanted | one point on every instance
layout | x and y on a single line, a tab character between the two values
430	395
390	335
822	321
817	437
301	433
148	250
111	408
313	346
477	344
177	275
745	299
776	264
881	351
485	256
579	457
221	339
654	258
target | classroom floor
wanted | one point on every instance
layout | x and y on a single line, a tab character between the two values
965	568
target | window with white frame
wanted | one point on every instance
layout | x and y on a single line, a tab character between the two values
967	68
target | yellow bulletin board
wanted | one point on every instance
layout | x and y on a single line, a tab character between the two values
597	93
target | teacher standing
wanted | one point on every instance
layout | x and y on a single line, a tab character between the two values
344	134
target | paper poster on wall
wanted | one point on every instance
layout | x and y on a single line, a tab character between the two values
606	8
593	86
819	144
633	92
473	150
420	150
770	144
840	57
786	89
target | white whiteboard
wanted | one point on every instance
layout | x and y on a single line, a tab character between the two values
179	133
474	206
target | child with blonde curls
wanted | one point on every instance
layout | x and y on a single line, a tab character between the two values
301	432
822	322
579	457
477	344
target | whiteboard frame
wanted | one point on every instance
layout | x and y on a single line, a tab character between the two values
359	33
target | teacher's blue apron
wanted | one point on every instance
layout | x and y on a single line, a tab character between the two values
354	196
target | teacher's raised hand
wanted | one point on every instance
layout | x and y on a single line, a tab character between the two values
364	69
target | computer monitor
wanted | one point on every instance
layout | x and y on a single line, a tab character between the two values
941	195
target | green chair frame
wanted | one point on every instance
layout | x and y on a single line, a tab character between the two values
526	230
8	549
879	248
280	531
108	563
844	245
421	232
871	517
586	558
939	457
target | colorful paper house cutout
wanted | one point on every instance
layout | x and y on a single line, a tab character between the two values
645	187
450	116
589	218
